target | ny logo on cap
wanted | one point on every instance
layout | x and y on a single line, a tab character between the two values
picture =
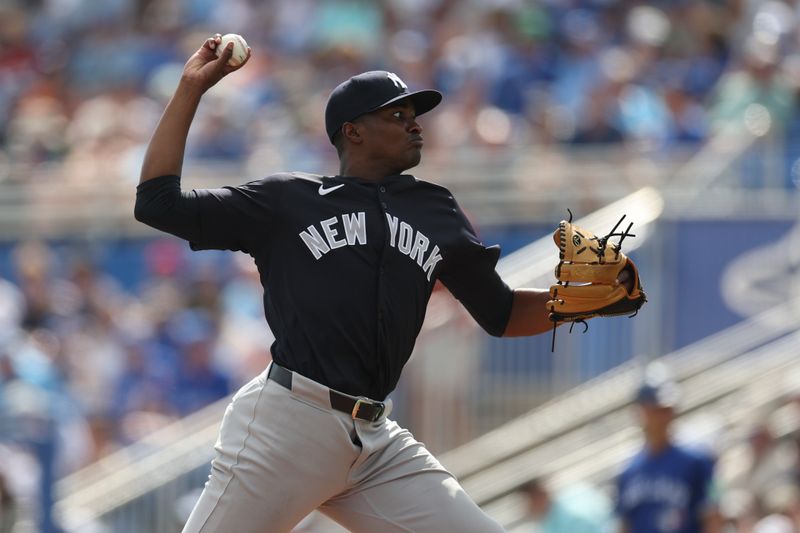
397	81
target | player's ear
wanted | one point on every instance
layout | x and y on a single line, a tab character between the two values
351	132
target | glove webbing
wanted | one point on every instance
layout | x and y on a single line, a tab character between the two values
602	243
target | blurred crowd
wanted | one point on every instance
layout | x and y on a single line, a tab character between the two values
83	83
763	472
88	365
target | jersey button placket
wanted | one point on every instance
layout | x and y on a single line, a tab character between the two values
385	368
381	267
382	197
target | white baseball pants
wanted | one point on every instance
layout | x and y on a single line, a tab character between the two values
283	453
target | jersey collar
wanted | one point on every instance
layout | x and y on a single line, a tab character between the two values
388	180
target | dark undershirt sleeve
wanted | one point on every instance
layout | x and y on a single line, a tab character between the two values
619	509
229	218
469	273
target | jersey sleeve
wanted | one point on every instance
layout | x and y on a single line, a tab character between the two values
705	485
469	274
228	218
619	489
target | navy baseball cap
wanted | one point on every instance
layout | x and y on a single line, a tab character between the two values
369	92
661	394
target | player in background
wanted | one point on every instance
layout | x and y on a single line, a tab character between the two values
666	487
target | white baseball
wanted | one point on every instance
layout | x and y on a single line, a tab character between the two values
239	48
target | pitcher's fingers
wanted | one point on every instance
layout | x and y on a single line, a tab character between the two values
221	62
214	41
211	43
230	68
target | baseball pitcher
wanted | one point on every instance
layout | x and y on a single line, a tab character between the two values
348	262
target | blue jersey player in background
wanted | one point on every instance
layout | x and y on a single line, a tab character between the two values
666	487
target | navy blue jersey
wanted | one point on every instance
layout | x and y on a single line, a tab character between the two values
348	265
666	493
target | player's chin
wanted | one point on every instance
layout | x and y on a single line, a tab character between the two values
414	156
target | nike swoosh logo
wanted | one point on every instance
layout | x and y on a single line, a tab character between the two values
323	191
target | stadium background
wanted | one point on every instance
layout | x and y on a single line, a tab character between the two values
110	332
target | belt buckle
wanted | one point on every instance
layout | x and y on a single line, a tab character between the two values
366	401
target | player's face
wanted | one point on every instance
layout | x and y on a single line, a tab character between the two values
393	135
655	418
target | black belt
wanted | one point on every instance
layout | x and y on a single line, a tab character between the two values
361	408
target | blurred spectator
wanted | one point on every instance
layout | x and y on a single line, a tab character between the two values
33	261
12	307
757	96
242	329
197	381
665	487
141	404
8	507
769	466
597	126
767	476
578	509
